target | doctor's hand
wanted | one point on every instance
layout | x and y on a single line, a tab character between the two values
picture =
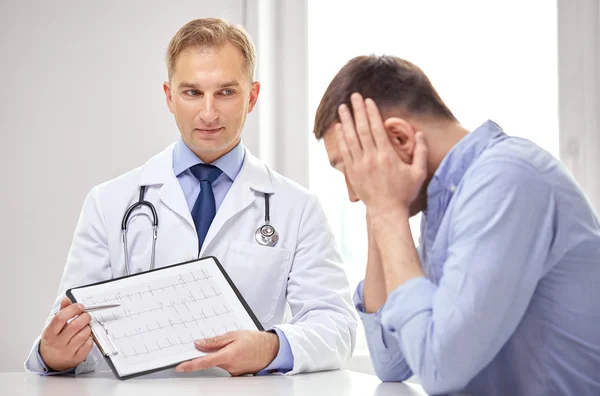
63	345
238	352
377	174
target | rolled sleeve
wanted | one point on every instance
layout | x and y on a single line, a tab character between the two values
396	313
386	355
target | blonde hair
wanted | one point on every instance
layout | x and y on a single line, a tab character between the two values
211	33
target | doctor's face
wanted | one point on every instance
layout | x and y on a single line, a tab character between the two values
210	96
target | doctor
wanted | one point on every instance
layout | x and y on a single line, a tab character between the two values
214	210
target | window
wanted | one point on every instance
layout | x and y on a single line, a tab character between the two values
487	60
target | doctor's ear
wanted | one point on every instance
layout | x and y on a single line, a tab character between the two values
168	95
254	91
402	137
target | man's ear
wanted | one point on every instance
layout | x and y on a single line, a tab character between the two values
168	96
402	137
254	91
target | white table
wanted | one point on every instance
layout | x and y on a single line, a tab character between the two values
171	383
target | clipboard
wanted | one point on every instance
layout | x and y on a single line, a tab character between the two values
162	311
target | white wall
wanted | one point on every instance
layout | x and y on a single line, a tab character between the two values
579	92
279	29
81	102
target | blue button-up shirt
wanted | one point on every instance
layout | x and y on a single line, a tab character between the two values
184	158
510	304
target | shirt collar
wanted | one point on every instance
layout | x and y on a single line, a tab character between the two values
455	164
230	163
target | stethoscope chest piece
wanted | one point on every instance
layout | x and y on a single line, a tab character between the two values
266	235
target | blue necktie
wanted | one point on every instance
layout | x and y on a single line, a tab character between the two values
204	209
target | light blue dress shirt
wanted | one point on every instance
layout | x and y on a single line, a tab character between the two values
231	164
510	304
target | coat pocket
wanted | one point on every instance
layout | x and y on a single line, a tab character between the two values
260	273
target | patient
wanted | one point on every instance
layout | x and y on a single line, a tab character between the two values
502	296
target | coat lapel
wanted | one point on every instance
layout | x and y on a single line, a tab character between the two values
252	181
159	171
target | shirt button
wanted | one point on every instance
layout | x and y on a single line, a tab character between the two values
452	188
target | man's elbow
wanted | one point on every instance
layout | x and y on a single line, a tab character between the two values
441	386
392	377
434	383
392	374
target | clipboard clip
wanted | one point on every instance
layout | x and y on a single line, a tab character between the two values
105	336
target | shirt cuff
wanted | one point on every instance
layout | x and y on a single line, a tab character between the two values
284	361
47	371
410	299
379	340
370	320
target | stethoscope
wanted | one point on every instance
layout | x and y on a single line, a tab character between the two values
265	235
125	221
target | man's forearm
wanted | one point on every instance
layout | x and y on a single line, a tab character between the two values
399	257
374	294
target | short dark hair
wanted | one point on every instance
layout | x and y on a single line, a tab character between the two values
393	83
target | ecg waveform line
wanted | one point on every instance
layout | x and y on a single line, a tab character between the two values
159	318
137	352
160	306
171	284
203	317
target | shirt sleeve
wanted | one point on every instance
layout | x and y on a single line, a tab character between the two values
284	361
501	230
384	349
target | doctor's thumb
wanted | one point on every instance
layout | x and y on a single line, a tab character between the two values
65	302
212	344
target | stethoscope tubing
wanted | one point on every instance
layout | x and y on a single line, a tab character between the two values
265	235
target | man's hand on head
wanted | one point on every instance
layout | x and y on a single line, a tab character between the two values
380	178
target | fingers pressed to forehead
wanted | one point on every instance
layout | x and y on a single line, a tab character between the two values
343	146
361	121
379	133
345	117
350	136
